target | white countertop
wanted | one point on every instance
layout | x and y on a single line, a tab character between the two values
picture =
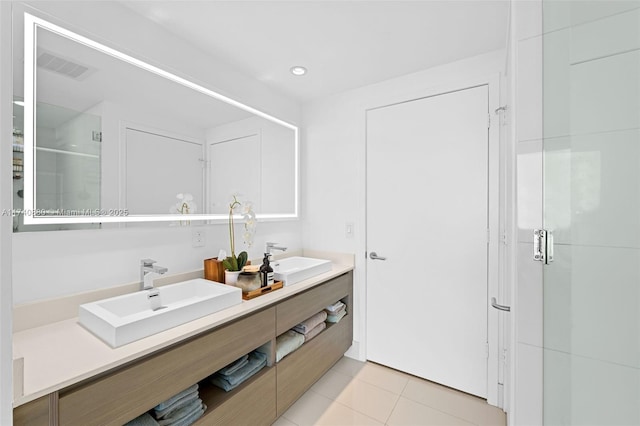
63	353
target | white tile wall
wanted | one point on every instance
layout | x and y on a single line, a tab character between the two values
562	13
529	188
595	198
529	303
528	385
592	393
622	35
591	303
557	90
528	16
529	89
600	94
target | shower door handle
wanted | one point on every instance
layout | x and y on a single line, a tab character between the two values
500	307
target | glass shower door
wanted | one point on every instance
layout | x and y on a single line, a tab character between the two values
591	184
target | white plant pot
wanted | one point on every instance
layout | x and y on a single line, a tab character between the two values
231	277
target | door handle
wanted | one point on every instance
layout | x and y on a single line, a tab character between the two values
500	307
374	256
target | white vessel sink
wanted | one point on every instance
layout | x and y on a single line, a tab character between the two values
124	319
292	270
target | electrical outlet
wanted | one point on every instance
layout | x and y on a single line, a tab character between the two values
348	229
197	238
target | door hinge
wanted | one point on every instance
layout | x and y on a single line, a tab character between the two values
543	246
488	121
486	349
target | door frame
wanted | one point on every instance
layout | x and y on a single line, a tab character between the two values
496	285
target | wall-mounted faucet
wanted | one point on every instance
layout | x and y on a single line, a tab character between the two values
149	271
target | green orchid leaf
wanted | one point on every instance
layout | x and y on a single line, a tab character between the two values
231	264
242	260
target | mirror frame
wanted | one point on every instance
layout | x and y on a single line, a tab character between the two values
31	25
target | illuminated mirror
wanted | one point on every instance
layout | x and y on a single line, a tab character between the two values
109	138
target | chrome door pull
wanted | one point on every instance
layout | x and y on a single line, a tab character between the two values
500	307
374	256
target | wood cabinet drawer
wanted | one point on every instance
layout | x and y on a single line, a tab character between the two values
302	306
35	413
254	404
302	368
134	389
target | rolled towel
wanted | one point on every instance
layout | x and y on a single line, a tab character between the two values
178	404
257	361
315	331
181	414
335	307
305	326
336	318
143	420
176	397
234	366
287	343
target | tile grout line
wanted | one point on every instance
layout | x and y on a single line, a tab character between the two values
443	412
386	422
357	411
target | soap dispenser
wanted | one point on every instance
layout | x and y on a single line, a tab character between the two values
266	272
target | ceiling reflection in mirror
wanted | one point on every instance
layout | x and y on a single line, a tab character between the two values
109	138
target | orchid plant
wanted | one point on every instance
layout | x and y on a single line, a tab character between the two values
184	205
233	262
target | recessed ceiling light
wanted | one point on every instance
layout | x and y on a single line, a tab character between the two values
20	103
298	70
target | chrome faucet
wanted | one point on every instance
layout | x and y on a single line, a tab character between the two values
149	271
273	246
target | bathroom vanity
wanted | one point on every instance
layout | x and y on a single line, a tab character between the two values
113	386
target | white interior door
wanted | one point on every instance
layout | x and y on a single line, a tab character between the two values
427	214
229	178
159	167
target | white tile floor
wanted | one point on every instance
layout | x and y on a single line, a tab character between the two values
358	393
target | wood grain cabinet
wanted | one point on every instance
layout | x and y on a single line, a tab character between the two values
119	396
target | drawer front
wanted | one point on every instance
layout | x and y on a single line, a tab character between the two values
129	392
34	413
302	368
254	405
302	306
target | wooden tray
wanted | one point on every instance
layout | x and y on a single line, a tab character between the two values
262	290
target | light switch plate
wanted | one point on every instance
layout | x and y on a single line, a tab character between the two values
197	238
348	229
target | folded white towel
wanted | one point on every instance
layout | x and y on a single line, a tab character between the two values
335	307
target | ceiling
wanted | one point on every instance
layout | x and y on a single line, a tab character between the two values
344	44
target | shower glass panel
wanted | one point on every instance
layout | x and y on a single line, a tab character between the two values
68	154
592	205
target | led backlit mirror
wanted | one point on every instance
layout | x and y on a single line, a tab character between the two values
109	138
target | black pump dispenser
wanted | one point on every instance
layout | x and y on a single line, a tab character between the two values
266	272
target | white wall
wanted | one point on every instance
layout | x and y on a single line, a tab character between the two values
6	229
57	263
333	162
526	51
